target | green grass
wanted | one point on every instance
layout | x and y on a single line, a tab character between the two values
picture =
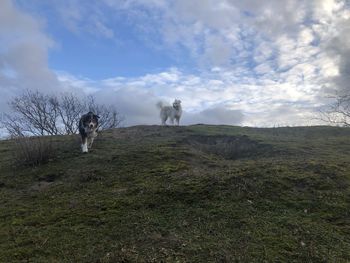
182	194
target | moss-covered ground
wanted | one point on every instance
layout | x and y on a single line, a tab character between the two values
182	194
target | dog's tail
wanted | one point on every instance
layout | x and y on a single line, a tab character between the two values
159	104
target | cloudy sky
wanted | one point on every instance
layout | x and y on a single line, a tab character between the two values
252	62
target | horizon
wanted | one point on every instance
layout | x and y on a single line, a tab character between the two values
5	136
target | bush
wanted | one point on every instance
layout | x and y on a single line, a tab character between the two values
33	151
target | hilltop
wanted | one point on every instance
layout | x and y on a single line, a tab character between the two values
182	194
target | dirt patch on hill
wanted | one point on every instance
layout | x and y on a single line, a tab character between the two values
231	147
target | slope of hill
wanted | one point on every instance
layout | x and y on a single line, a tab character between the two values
182	194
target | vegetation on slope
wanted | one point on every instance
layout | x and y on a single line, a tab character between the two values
182	194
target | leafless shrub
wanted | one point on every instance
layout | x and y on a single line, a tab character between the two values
109	116
33	151
70	111
38	114
33	113
338	112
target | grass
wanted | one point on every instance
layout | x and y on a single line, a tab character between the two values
182	194
32	151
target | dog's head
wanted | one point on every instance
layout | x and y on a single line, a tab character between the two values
177	104
90	121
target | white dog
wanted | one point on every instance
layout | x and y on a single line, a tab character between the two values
172	113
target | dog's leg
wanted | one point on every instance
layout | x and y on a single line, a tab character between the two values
91	142
164	118
172	121
177	121
84	147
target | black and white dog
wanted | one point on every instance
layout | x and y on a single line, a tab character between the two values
88	125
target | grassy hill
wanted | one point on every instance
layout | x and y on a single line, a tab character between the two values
181	194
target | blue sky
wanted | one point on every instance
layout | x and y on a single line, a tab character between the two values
116	48
255	63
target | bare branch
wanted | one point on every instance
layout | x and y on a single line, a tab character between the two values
338	112
34	113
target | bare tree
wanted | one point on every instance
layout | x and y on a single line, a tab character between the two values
14	126
70	111
109	116
338	112
35	113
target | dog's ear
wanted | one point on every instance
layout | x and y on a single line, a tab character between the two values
96	116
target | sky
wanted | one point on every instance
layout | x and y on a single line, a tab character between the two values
250	63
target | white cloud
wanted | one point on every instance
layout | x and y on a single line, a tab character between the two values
87	17
23	54
212	98
259	62
216	116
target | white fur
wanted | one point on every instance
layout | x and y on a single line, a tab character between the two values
91	137
170	112
84	148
